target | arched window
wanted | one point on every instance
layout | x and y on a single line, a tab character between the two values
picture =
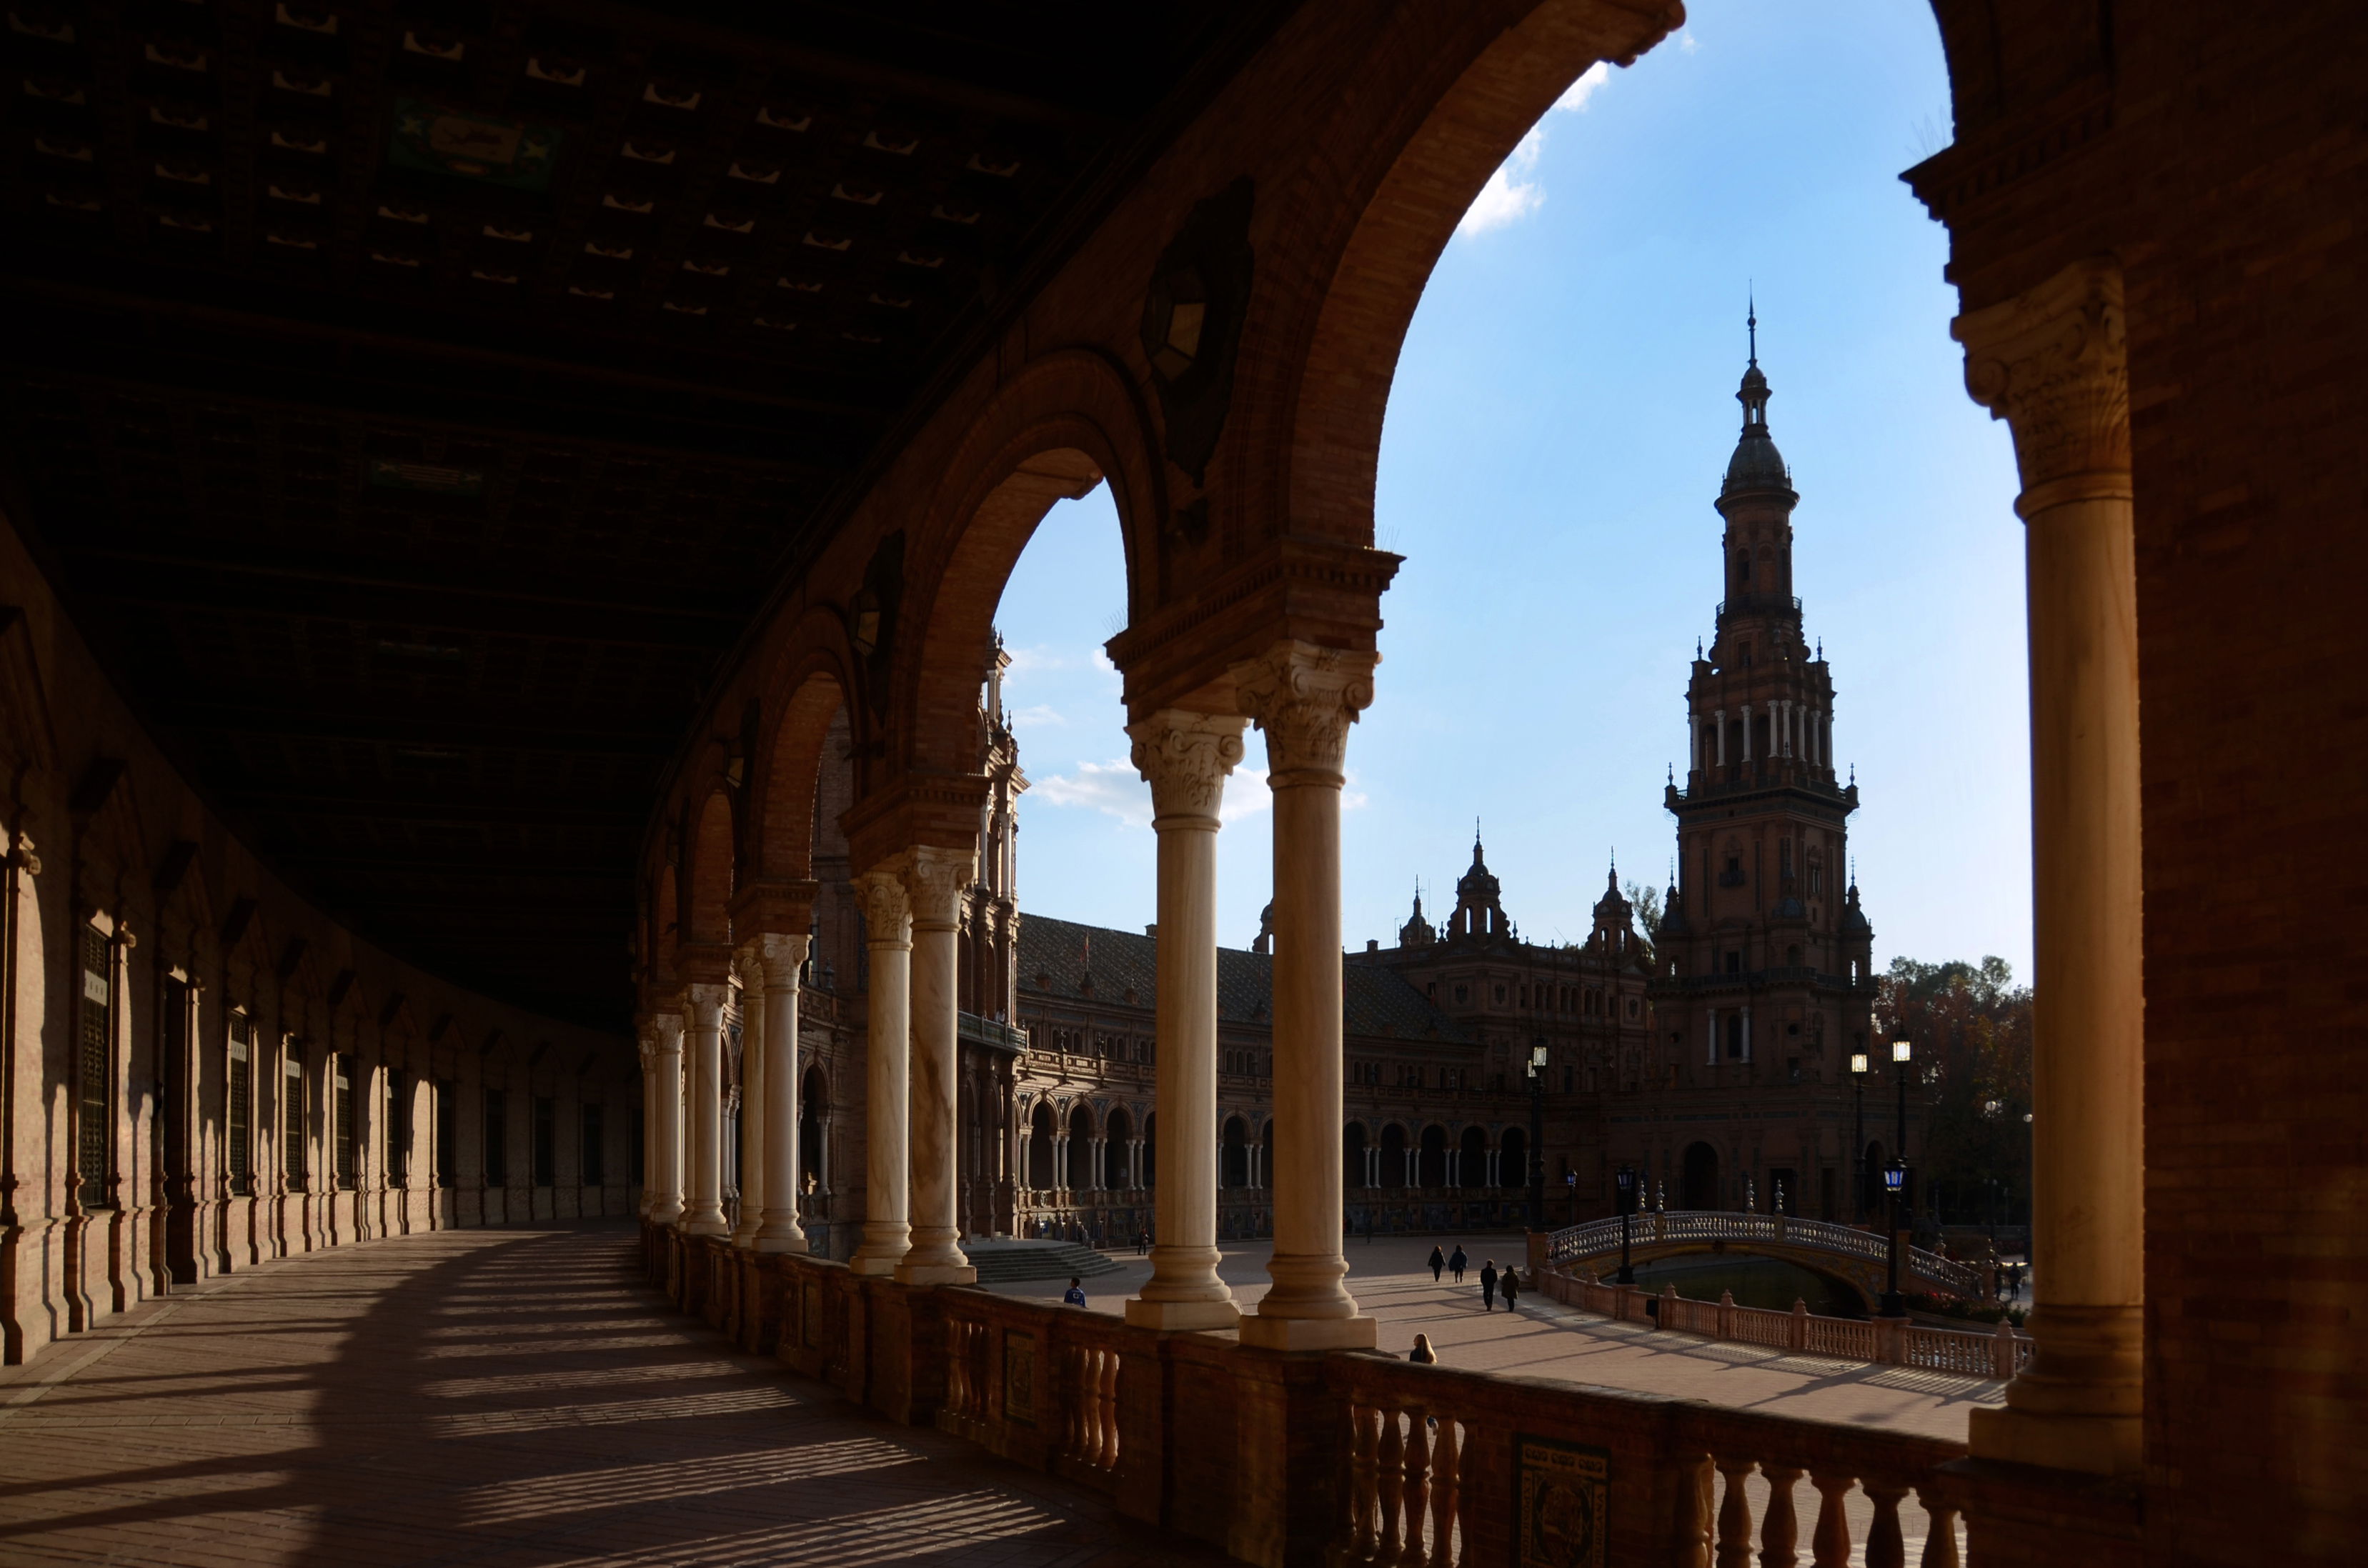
1234	1161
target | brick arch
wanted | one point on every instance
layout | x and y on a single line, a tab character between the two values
1068	423
706	865
1471	96
790	770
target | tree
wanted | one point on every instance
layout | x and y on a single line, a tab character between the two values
1647	902
1971	1028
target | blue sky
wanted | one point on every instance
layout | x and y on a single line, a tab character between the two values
1563	411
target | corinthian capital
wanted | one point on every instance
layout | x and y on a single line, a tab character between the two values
937	880
2054	363
1304	698
1185	759
782	956
887	912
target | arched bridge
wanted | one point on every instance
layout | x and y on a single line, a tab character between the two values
1861	1258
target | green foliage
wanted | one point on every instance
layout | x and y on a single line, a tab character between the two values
1971	1026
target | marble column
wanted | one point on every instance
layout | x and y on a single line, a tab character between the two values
1304	698
749	964
781	958
2053	363
663	1160
888	921
1185	757
648	1031
934	879
704	1216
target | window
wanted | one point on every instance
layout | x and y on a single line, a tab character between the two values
1500	996
94	1140
291	1113
1734	963
498	1138
238	1137
1462	993
342	1123
594	1155
546	1142
1735	1037
1633	1005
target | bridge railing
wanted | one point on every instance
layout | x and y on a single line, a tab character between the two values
1599	1238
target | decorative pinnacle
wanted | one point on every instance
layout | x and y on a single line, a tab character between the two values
1752	320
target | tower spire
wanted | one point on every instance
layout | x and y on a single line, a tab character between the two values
1752	320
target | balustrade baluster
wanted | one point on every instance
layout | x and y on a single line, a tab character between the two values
1392	1463
1109	1409
1446	1492
1414	1493
1365	1438
1735	1515
1884	1548
1779	1527
1073	1414
1695	1482
1830	1543
1940	1543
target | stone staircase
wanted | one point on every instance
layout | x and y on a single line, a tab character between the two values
1004	1262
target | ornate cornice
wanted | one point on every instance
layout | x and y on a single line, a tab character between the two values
936	879
1304	698
1185	759
2054	363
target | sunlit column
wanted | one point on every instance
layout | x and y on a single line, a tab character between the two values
1720	716
749	963
705	1216
648	1041
2054	364
934	878
888	922
1304	698
1746	732
1185	759
663	1164
781	958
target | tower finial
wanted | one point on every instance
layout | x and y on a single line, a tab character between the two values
1752	319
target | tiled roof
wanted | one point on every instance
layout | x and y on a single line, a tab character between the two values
1057	955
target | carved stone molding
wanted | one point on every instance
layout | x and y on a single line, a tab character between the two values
2054	363
1304	698
706	1005
936	877
667	1032
887	909
1185	759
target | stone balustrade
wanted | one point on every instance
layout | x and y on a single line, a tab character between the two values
1349	1456
1776	1234
1995	1353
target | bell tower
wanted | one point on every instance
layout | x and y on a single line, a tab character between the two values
1764	956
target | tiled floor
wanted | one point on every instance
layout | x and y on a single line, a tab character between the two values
488	1398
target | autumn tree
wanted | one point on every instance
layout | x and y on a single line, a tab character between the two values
1971	1028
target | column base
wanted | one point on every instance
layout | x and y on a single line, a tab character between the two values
2093	1445
665	1213
705	1225
772	1243
936	1274
1310	1334
1182	1315
880	1267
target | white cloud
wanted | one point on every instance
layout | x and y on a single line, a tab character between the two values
1246	795
1113	787
1040	657
1686	42
1038	716
1511	194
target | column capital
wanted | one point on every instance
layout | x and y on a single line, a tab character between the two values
936	879
887	908
705	1003
1303	699
782	956
2054	363
1185	757
666	1030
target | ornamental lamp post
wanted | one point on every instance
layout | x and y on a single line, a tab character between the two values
1900	1051
1537	1154
1858	1150
1894	1180
1627	1181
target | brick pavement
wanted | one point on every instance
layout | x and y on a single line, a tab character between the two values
492	1398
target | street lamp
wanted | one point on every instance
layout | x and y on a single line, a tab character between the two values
1627	1181
1894	1180
1858	1150
1537	1155
1900	1051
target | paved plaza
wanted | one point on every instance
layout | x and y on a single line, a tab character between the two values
1543	1340
493	1398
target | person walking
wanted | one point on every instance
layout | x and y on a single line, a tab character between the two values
1422	1351
1075	1296
1455	1265
1488	1286
1512	1285
1437	1261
